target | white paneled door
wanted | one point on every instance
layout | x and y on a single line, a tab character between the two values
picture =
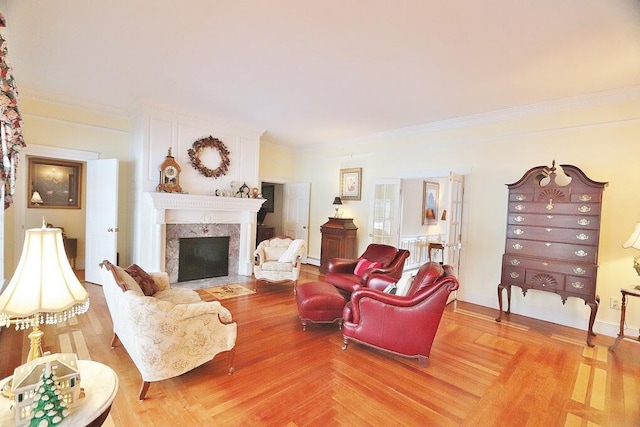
296	212
453	239
101	237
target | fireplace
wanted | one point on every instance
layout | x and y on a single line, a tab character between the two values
203	257
176	216
181	238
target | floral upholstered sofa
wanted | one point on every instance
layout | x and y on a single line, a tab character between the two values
165	331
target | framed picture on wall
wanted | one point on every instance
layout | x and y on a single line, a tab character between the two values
54	184
430	203
350	184
268	192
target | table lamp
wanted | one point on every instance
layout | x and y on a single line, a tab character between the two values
634	242
36	199
337	202
43	289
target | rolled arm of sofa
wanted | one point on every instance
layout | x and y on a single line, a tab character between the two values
380	281
259	256
341	265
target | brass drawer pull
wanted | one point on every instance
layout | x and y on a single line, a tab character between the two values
577	285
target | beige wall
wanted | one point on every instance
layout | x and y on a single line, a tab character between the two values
55	125
600	138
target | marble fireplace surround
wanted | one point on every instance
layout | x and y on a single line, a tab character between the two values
184	215
175	232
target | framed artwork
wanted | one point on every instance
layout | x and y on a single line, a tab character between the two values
430	203
54	184
350	184
268	192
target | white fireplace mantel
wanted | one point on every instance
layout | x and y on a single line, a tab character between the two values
176	208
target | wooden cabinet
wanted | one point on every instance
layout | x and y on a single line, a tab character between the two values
264	232
553	231
338	240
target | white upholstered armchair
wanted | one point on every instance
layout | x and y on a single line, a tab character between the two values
165	331
279	260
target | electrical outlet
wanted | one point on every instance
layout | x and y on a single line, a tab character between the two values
615	304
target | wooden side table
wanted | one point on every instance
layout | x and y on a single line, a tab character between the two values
338	241
625	293
71	249
100	384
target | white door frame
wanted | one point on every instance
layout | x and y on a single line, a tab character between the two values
19	198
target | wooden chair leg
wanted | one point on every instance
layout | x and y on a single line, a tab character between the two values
143	390
115	340
345	343
232	355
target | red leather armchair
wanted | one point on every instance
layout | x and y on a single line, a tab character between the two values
402	325
341	272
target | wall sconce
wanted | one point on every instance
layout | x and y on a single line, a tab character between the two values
634	242
431	214
337	202
444	215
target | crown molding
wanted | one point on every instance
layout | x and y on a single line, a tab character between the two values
525	111
52	98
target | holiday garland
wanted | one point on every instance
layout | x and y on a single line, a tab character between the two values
197	149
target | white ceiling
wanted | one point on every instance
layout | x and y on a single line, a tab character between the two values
311	72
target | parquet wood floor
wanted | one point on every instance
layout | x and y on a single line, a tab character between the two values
521	372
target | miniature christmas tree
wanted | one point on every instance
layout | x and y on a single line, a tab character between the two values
49	408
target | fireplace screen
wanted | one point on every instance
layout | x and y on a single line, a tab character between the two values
203	257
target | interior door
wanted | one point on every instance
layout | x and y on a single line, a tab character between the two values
296	212
453	238
102	216
385	212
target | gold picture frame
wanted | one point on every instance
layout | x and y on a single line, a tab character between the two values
351	184
54	184
430	203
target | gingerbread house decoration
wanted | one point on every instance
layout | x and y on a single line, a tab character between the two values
27	376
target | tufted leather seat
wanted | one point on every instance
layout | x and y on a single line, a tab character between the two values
403	325
341	272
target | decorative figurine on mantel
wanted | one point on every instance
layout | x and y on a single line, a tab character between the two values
169	175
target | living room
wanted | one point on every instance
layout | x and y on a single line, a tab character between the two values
595	130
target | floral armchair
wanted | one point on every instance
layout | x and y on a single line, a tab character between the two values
165	331
279	259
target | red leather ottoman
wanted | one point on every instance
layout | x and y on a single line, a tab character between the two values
319	302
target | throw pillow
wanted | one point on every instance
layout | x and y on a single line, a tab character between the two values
290	254
404	284
142	278
364	265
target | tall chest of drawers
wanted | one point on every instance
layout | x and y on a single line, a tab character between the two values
553	229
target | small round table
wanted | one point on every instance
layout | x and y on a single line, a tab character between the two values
100	384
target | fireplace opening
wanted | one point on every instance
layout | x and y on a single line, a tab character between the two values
203	257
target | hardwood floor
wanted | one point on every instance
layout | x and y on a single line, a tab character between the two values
520	372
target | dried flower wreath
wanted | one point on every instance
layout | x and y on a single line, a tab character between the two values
209	142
